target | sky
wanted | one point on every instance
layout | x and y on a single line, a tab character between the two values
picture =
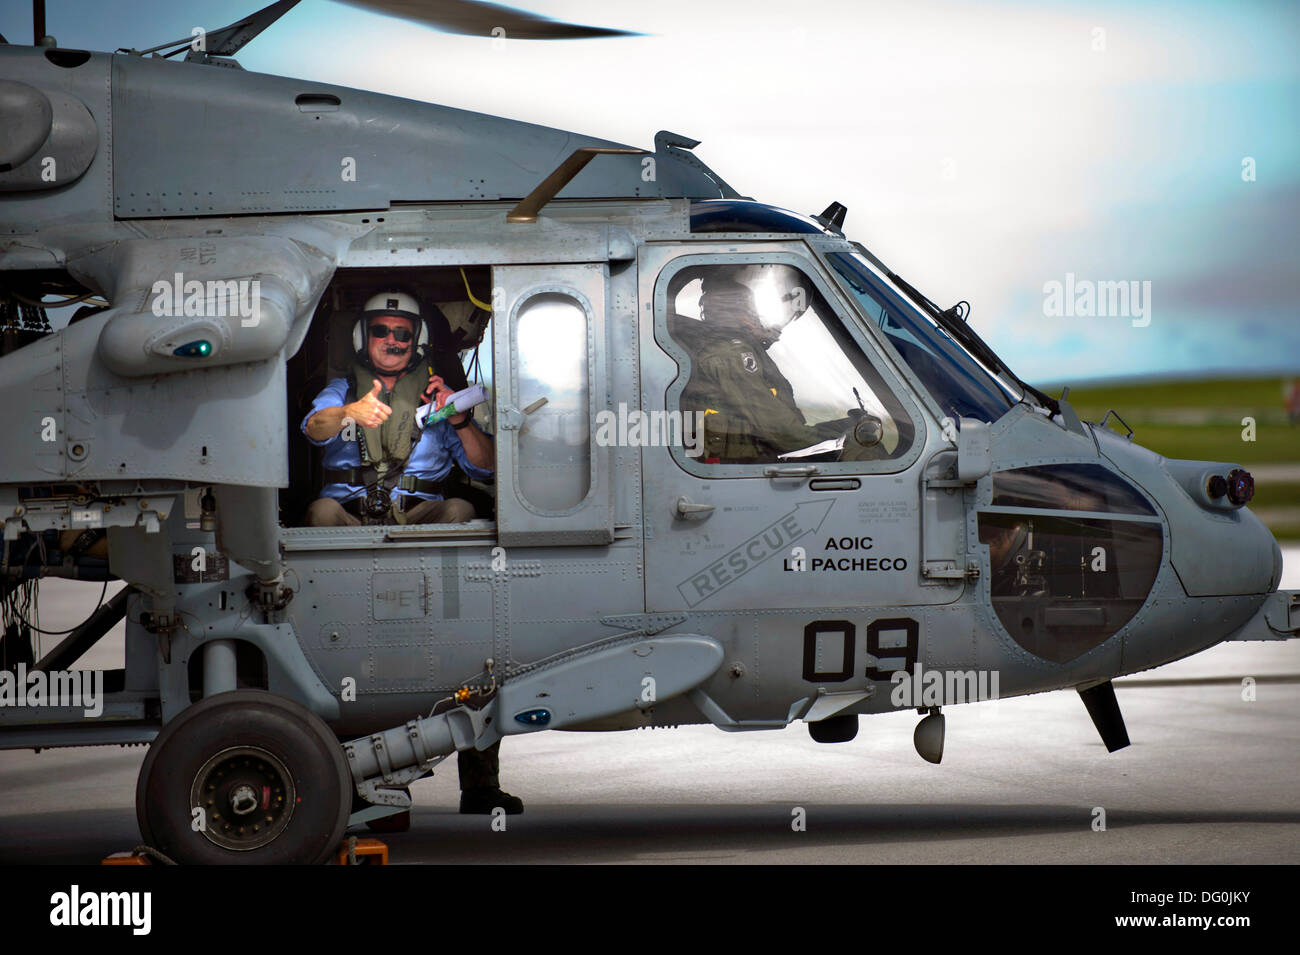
984	150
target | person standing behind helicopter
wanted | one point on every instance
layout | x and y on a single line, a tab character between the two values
390	471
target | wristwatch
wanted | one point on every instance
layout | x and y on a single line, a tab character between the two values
469	420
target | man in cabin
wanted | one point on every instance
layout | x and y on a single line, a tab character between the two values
384	467
381	465
749	409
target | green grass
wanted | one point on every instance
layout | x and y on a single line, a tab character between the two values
1201	421
1276	494
1273	444
1197	420
1137	396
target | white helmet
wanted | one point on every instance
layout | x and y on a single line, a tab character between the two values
396	304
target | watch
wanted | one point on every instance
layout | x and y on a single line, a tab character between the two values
469	420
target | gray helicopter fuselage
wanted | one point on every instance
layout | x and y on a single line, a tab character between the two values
818	582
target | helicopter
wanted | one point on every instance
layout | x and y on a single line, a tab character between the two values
744	474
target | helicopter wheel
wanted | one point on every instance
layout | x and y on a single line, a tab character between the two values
244	777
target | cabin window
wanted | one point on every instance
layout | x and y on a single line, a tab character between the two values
453	303
551	338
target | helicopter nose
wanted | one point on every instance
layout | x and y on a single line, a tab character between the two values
1277	567
1230	560
1223	559
1218	547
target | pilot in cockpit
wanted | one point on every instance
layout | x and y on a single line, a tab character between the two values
749	408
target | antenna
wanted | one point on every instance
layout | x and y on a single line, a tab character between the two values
39	37
227	40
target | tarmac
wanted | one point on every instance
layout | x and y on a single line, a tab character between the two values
1209	778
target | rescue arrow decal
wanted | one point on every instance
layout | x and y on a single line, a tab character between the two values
777	537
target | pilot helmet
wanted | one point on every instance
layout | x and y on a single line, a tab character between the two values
726	301
397	304
744	301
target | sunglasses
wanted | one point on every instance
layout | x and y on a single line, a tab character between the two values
383	331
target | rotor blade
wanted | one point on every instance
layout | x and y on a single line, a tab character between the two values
472	18
228	40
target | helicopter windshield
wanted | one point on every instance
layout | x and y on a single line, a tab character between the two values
959	383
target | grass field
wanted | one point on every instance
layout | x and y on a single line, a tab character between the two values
1202	421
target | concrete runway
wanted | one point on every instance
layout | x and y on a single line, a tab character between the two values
1209	779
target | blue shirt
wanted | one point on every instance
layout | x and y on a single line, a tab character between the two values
431	459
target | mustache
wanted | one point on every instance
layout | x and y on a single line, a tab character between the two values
396	349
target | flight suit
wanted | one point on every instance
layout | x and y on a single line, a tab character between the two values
749	408
748	404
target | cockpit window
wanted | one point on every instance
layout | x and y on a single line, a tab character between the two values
773	376
959	384
1068	487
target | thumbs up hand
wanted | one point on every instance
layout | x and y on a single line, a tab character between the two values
368	411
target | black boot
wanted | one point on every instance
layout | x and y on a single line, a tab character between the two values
480	789
481	802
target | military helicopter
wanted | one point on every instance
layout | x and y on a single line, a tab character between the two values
744	474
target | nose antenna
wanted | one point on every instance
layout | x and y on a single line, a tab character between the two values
1104	710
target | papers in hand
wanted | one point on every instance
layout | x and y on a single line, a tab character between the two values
458	403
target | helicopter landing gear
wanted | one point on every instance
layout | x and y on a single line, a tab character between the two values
394	822
244	777
928	736
1106	716
834	729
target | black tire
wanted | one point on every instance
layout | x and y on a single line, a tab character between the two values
230	748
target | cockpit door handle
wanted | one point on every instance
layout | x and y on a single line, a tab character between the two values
792	471
686	511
